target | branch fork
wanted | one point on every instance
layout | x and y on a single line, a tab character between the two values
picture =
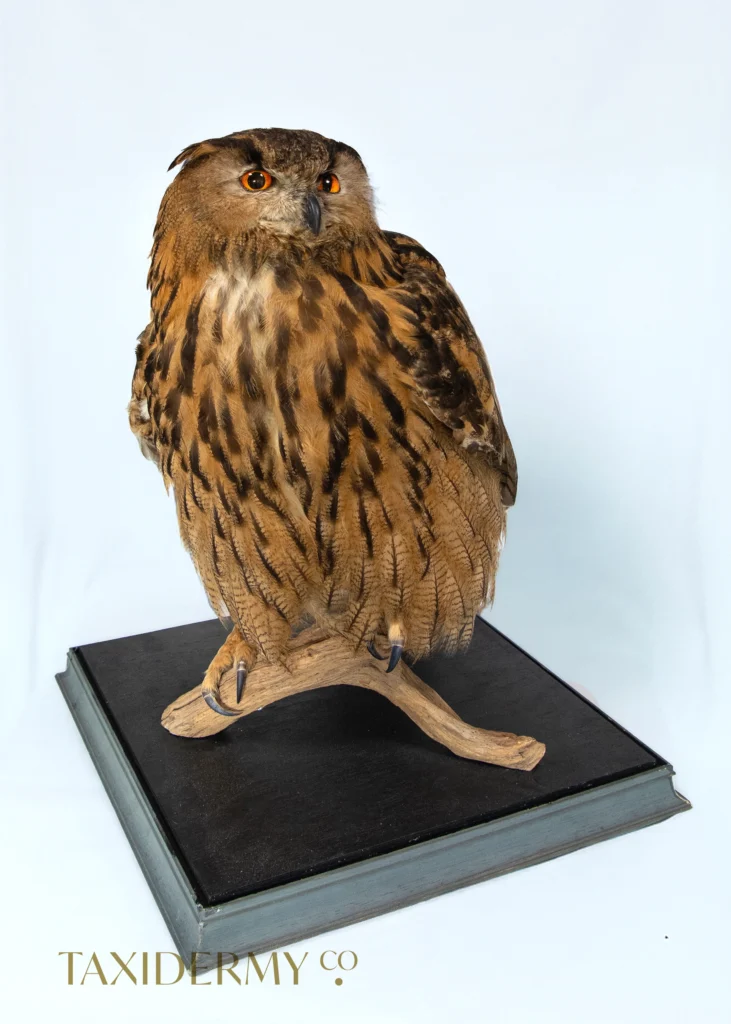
317	660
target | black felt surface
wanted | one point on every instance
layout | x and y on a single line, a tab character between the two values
335	776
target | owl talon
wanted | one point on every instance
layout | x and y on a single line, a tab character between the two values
371	646
396	651
234	654
240	680
212	697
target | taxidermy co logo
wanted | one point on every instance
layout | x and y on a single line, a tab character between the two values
167	968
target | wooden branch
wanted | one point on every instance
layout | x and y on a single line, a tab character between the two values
316	660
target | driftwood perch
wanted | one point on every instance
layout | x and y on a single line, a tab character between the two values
316	660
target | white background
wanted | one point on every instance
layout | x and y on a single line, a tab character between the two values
569	164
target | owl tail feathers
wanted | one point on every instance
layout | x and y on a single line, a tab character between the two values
397	641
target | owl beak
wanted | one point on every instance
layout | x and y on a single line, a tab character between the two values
312	213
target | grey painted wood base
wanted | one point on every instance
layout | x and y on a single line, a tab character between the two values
290	912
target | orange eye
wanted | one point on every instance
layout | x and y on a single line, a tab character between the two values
328	182
256	181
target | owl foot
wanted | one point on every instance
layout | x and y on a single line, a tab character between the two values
235	652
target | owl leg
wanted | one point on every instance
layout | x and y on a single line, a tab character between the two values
234	652
396	639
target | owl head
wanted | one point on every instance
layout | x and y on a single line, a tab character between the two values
288	184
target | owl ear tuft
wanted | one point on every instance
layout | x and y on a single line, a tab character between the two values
191	152
238	142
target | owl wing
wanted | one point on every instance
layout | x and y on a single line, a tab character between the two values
446	364
138	410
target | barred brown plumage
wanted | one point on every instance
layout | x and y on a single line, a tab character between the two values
320	405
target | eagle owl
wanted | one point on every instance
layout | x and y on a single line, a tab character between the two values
314	392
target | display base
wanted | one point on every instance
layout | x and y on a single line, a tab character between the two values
331	806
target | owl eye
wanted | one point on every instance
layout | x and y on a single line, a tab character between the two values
256	181
328	182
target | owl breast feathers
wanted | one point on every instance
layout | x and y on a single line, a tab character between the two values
315	393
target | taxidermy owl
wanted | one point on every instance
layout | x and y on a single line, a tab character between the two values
314	392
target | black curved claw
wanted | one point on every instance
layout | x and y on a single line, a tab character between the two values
371	645
396	651
210	697
240	680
